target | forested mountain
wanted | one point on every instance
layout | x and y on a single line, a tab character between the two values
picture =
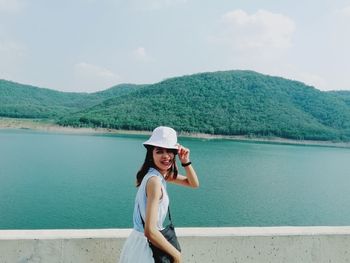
227	103
343	95
24	101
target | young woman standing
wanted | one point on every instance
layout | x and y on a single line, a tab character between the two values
152	201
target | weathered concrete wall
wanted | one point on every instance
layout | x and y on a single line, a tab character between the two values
271	244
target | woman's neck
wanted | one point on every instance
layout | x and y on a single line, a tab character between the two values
163	173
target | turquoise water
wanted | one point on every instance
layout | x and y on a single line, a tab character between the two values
50	180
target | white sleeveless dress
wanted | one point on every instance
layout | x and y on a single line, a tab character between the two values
136	248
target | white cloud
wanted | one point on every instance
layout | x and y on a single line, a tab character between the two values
294	72
86	68
140	54
345	11
10	6
91	78
313	80
11	48
261	30
12	55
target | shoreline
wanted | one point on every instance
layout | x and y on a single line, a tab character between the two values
50	126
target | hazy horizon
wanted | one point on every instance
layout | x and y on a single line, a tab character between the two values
27	84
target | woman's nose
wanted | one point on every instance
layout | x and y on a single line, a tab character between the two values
166	154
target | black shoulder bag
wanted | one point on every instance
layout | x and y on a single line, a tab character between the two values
159	255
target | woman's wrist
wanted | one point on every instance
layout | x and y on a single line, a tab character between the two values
184	164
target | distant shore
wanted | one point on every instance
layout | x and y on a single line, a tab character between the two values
50	126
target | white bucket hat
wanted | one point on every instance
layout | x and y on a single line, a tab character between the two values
164	137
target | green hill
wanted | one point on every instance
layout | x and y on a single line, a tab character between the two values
228	103
344	95
24	101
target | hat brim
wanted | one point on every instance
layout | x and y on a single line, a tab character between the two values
172	147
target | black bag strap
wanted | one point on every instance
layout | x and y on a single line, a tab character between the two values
143	222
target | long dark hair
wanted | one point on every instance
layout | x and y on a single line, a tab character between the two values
148	163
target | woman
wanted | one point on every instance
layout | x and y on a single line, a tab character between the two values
152	200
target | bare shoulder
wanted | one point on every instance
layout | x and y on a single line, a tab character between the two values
153	187
154	181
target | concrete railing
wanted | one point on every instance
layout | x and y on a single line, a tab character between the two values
247	244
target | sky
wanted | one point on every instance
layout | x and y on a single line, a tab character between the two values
92	45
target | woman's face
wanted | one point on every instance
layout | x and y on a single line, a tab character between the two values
163	158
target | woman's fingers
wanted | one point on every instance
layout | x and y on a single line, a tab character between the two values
184	154
185	150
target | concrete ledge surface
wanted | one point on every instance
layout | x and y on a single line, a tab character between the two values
224	244
180	231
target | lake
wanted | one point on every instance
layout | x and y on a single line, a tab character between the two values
50	180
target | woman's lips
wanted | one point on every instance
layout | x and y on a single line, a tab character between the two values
167	163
